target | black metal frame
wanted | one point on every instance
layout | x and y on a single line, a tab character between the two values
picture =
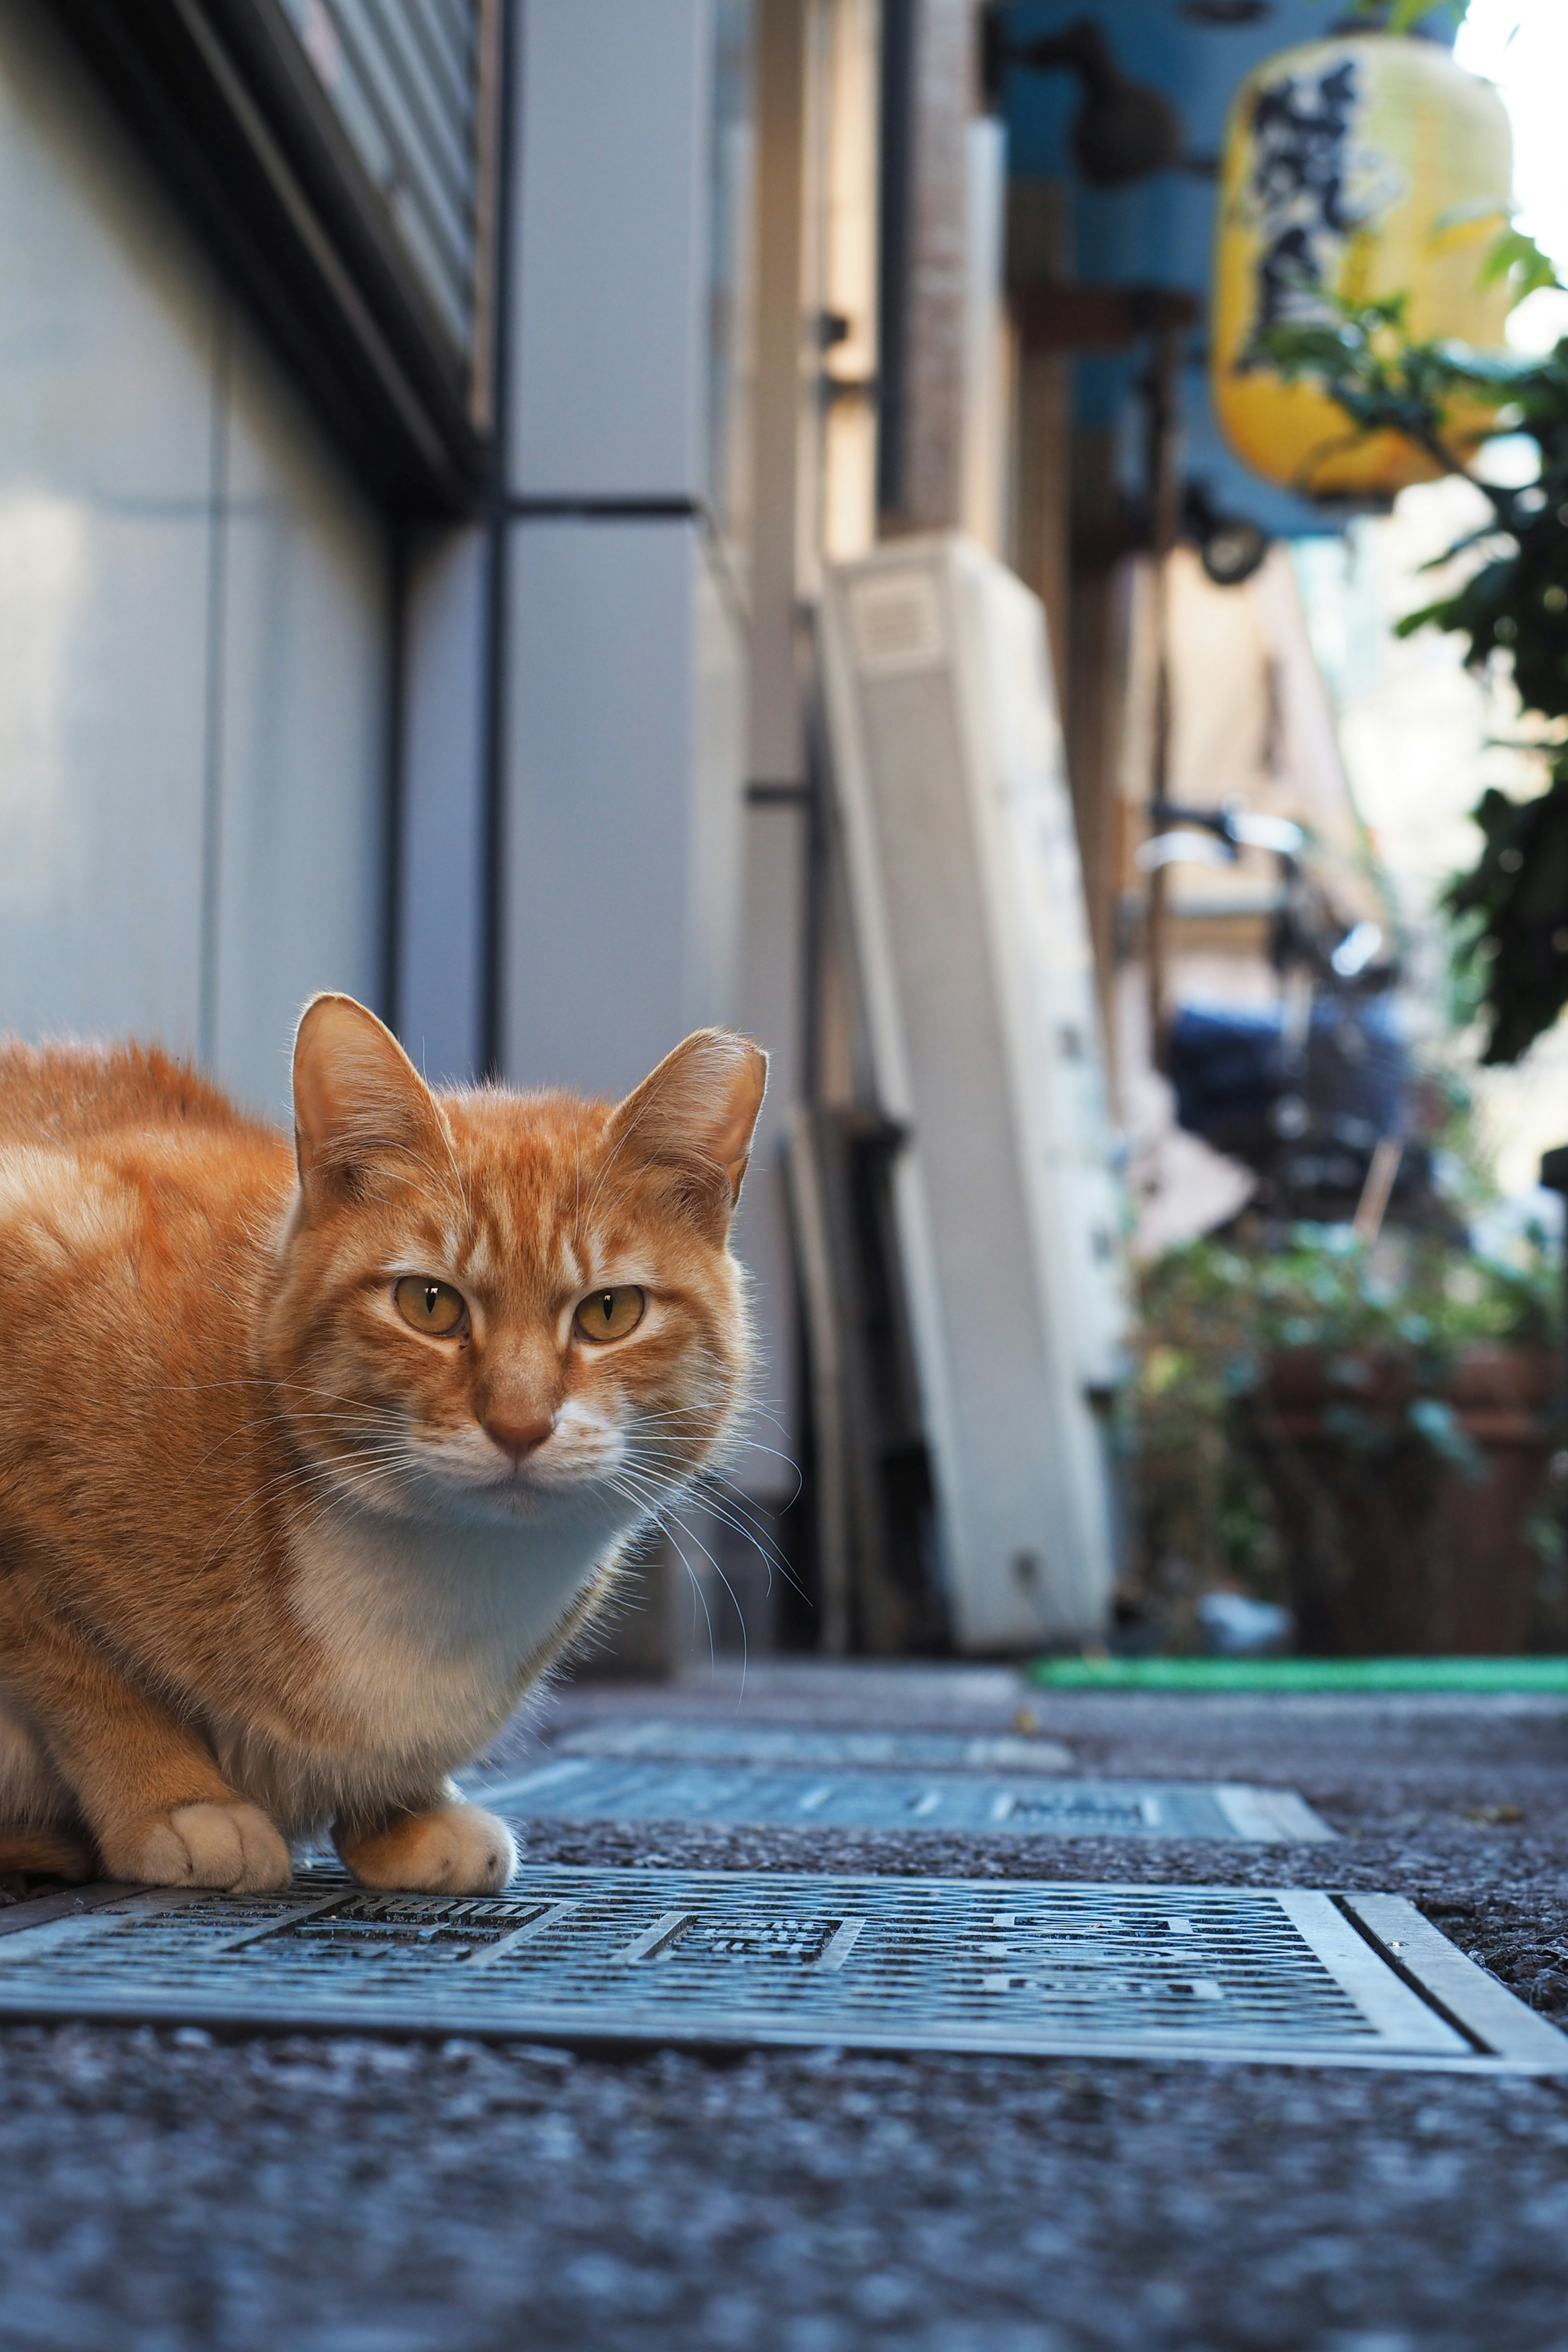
227	109
895	205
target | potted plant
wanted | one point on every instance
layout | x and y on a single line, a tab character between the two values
1377	1433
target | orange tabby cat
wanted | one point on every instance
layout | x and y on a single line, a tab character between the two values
312	1461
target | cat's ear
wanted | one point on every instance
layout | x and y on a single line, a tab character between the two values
362	1111
695	1116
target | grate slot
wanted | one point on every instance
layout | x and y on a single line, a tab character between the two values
654	1940
840	1944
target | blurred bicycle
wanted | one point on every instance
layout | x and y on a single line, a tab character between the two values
1315	1096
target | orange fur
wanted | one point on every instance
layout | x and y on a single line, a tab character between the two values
269	1557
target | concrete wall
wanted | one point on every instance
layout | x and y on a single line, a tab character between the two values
193	624
624	742
623	809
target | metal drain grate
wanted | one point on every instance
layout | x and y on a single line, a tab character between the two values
592	1788
716	1958
766	1743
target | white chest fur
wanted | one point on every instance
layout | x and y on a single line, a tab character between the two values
425	1627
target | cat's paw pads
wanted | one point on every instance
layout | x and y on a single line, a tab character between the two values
233	1847
456	1850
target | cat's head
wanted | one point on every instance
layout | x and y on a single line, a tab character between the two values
507	1304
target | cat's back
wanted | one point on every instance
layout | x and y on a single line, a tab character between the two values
136	1207
55	1096
137	1212
116	1148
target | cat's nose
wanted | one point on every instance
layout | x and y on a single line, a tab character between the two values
518	1433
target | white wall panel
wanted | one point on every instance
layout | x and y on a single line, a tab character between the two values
105	441
304	694
769	1009
624	743
972	956
192	623
716	814
610	396
100	769
442	883
106	311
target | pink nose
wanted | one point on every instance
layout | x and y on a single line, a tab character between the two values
520	1435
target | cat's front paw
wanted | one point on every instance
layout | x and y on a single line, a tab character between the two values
233	1847
455	1850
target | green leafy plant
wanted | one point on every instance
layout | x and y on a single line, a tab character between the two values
1512	256
1322	1288
1203	1512
1399	16
1511	909
1511	945
1217	1313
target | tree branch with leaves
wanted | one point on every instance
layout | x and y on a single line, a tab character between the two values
1511	910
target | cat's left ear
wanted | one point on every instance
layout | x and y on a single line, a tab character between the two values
695	1116
362	1114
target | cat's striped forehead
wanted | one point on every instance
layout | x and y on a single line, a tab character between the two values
537	1204
503	1245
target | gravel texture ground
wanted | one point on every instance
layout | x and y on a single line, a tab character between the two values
162	2192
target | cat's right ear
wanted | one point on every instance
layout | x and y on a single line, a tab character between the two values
362	1114
694	1119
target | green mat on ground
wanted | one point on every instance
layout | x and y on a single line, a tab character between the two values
1476	1674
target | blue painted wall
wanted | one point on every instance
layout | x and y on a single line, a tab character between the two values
1161	231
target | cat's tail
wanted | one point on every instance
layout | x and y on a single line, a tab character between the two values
46	1853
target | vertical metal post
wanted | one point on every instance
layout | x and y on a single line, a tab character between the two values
1164	500
500	336
400	553
1554	1178
894	228
213	714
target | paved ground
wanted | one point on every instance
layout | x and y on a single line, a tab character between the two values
159	2190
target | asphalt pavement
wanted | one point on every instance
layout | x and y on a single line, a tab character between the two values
162	2192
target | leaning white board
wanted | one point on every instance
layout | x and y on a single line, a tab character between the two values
976	971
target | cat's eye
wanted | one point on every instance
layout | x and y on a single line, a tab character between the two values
433	1307
610	1314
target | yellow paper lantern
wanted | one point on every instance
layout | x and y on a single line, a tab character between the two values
1371	166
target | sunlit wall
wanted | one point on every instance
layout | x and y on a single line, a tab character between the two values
193	625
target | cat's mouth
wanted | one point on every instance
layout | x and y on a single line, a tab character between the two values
542	1476
460	1472
521	1478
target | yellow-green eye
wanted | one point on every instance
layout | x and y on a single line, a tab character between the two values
434	1307
610	1314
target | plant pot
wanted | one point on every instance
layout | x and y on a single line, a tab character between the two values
1391	1549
